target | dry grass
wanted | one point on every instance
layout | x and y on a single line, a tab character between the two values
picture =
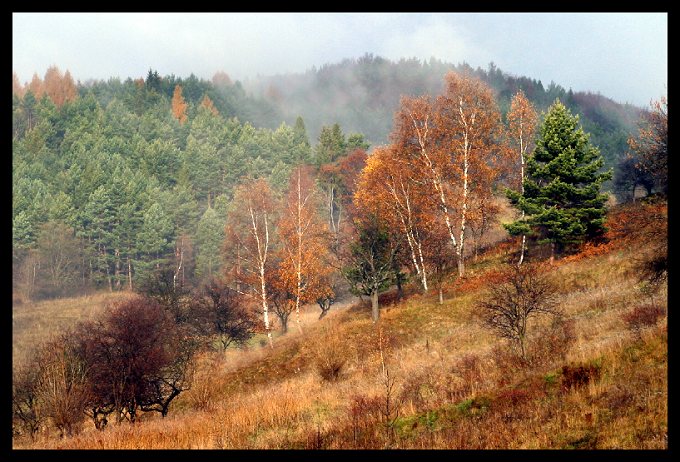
449	387
33	323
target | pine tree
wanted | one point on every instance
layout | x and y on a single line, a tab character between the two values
561	198
370	265
209	238
332	144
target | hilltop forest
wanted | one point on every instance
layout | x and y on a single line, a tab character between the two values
133	173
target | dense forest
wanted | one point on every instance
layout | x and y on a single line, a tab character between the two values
127	177
363	94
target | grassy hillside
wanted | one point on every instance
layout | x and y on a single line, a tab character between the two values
450	382
33	323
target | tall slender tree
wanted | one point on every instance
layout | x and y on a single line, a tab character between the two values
304	239
250	233
521	128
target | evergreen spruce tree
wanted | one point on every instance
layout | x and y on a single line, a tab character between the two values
562	199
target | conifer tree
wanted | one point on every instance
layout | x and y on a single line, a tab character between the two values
561	198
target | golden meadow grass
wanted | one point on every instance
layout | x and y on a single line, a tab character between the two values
276	399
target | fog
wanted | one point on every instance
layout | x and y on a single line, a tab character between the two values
622	56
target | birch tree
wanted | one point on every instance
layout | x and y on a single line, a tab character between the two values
414	136
250	225
468	128
390	187
522	127
303	239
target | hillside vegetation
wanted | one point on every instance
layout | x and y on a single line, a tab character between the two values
510	298
429	375
362	95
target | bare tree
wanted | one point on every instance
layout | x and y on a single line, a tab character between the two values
250	232
63	383
26	406
226	316
138	358
526	294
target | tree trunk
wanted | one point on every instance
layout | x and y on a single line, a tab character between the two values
375	308
521	254
265	308
441	296
325	306
400	290
129	273
117	269
108	273
552	253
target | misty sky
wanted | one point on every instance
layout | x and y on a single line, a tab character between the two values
622	56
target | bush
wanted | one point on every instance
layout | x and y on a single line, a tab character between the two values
138	358
643	316
330	355
64	390
526	293
551	344
579	375
26	412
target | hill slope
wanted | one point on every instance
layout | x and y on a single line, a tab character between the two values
451	383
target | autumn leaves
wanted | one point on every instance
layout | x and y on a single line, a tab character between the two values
436	180
279	249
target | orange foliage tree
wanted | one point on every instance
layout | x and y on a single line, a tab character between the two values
36	86
470	131
304	241
60	88
17	88
179	106
221	78
207	103
414	138
389	187
522	120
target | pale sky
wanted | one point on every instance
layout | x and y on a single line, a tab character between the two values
621	55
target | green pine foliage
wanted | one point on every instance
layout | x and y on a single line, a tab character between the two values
130	180
562	199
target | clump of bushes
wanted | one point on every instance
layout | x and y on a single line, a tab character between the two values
643	316
330	355
579	375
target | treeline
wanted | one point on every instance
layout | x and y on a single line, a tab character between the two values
109	191
363	94
111	182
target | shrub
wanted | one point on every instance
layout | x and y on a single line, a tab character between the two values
579	375
526	294
552	343
26	412
138	358
330	355
643	316
469	369
63	383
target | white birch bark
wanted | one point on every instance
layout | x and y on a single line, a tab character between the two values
262	249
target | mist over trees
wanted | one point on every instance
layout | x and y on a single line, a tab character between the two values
118	181
362	94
